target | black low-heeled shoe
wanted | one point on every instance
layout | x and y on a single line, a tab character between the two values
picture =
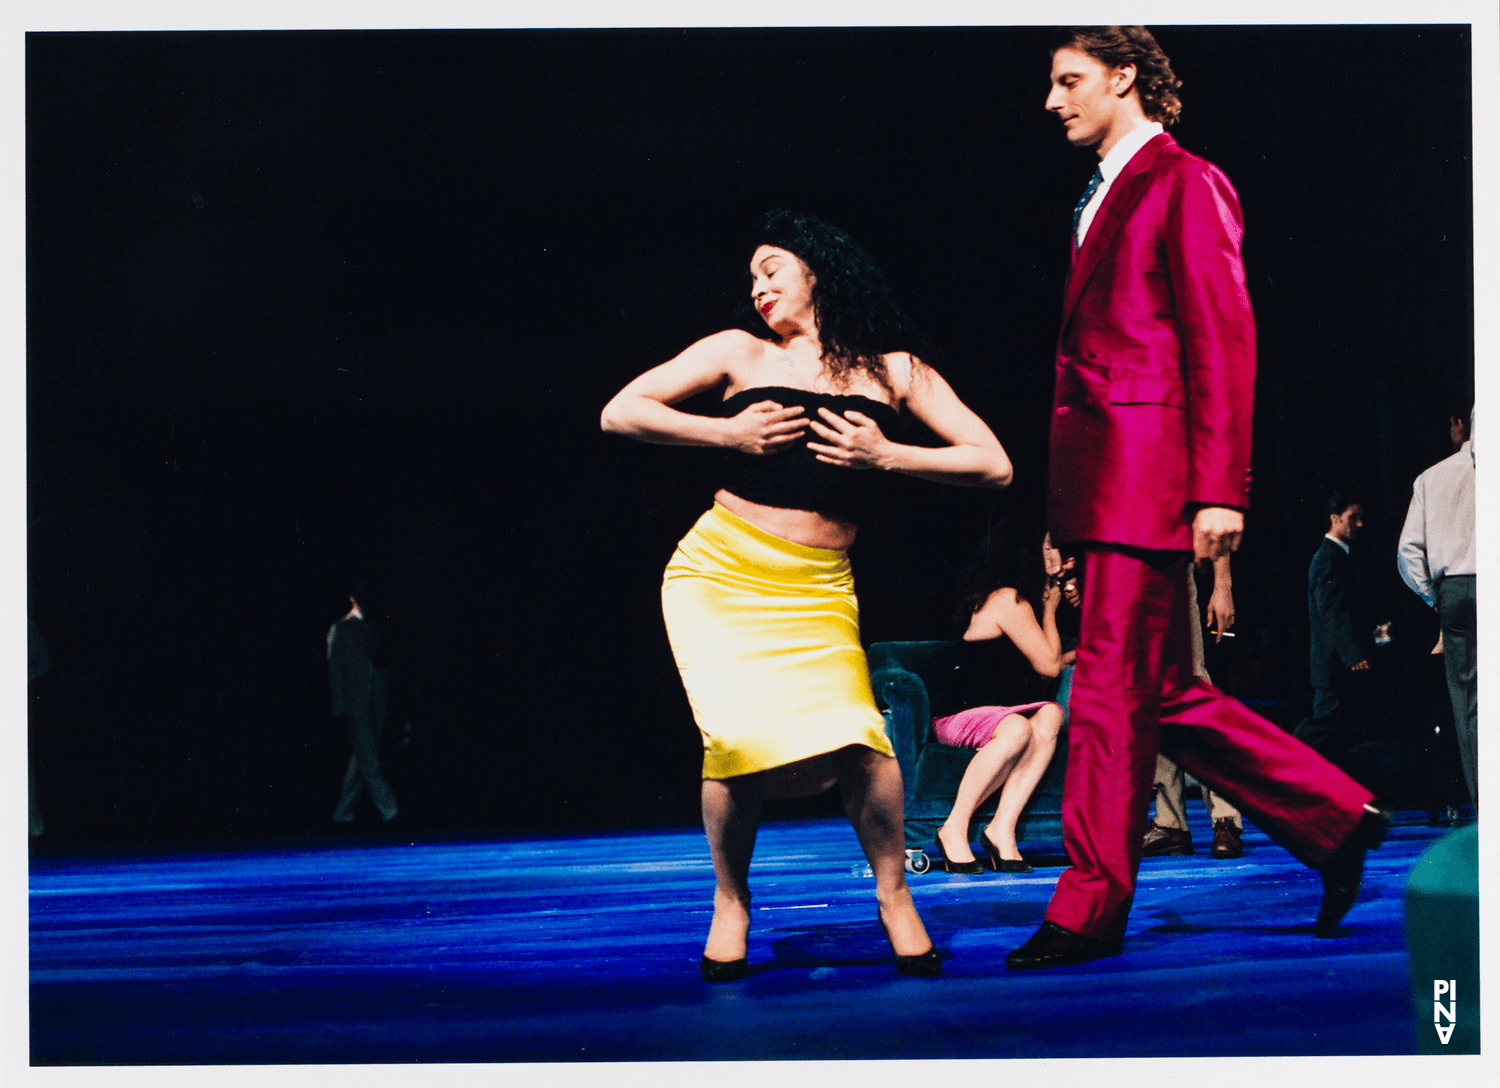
1344	870
723	970
999	864
927	965
943	862
1053	946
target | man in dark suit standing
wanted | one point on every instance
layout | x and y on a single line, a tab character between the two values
1149	466
1341	634
357	696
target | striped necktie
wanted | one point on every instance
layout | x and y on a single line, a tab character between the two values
1083	202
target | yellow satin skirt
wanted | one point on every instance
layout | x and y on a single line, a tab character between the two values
766	637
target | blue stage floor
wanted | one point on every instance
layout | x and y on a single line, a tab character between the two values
587	949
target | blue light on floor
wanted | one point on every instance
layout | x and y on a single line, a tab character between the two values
586	949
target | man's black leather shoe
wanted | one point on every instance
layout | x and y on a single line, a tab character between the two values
1054	946
1345	868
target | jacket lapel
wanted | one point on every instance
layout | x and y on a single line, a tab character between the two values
1126	192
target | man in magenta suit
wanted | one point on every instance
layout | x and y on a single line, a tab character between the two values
1150	465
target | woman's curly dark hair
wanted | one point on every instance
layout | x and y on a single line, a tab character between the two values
858	317
1009	555
1113	46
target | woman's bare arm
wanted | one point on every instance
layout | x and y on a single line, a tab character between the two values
643	409
1005	613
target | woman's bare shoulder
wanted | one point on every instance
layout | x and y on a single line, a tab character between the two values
737	340
726	354
1004	597
1006	607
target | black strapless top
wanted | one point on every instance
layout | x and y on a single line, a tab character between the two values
991	672
794	478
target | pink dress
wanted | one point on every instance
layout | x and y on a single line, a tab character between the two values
975	727
989	671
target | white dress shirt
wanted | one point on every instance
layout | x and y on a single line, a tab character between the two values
1438	538
1110	168
1336	540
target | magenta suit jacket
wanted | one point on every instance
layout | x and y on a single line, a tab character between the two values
1155	361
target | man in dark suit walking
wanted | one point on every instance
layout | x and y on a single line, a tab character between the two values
1149	466
1341	635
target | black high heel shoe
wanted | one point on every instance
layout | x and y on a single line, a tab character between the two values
999	864
927	965
966	868
723	970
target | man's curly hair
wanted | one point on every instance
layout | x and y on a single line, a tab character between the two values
1114	46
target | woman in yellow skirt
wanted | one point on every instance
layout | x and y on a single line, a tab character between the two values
758	599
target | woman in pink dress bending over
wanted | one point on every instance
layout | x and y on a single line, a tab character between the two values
1010	649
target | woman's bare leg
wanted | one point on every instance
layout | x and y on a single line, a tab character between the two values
985	774
731	816
1045	724
870	784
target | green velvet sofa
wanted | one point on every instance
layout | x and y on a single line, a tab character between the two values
908	677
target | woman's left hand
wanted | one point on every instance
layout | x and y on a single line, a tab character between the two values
852	440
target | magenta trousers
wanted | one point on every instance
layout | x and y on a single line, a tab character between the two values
1134	692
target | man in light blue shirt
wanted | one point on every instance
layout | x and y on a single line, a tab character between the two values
1436	558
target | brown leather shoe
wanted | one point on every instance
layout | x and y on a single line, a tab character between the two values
1226	840
1163	842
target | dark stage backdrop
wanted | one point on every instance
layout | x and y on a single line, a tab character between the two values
303	306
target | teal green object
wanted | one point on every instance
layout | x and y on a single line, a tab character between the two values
908	677
1442	939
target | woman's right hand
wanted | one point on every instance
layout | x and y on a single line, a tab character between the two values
1051	596
765	427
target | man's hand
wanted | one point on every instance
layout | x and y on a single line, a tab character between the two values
1359	666
1220	611
1216	532
1059	571
1052	560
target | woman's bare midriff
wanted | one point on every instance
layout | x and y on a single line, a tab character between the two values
806	527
